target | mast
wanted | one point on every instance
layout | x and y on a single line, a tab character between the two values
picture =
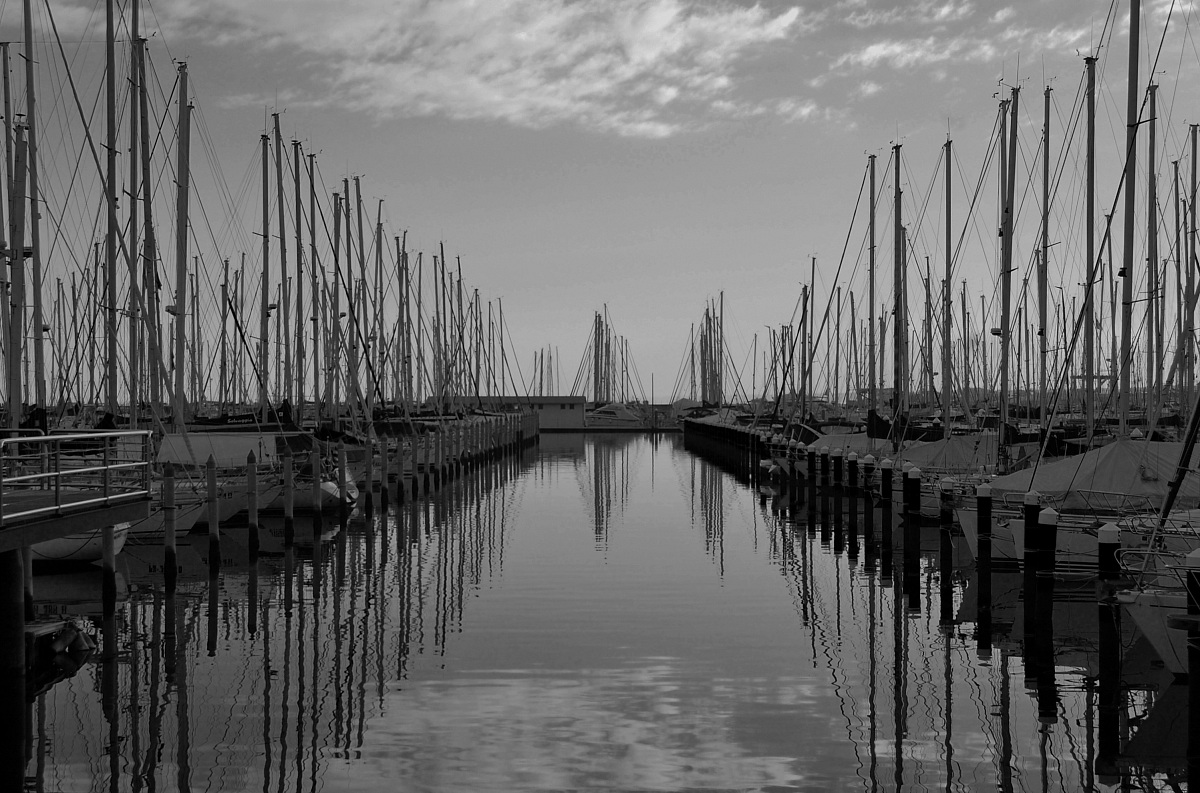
947	317
265	298
966	352
1126	273
110	237
1009	176
149	246
34	213
1190	266
1089	292
312	269
14	346
900	323
222	391
131	261
1043	269
1153	337
299	345
8	187
181	249
333	381
285	384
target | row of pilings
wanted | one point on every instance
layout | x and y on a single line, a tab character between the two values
399	467
871	511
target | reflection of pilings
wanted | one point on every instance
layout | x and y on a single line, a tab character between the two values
1110	692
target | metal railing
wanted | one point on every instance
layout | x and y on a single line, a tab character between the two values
55	475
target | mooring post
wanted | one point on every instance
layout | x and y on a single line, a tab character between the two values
1047	687
289	498
252	502
852	472
825	475
170	562
1109	540
1031	508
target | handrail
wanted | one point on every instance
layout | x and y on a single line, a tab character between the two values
115	469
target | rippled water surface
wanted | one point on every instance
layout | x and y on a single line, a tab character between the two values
604	613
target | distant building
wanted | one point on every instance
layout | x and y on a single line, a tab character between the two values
555	413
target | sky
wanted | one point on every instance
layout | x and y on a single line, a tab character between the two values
639	157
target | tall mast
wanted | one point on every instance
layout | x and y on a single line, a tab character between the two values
299	346
35	214
947	318
110	237
131	259
966	352
900	323
181	248
222	392
1126	273
265	289
312	269
285	384
1043	268
14	343
1190	266
1153	338
8	185
1009	176
872	383
1089	292
149	245
333	381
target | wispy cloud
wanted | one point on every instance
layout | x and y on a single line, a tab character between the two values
634	67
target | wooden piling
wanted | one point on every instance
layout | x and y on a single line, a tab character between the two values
1109	540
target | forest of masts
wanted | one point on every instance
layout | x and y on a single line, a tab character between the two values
1098	323
329	310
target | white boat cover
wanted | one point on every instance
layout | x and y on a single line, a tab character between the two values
1125	475
228	449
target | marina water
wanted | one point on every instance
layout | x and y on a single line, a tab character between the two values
603	612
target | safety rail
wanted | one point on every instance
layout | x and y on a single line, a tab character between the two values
49	476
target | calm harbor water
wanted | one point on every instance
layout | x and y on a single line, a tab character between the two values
604	613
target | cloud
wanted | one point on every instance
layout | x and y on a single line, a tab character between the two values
647	68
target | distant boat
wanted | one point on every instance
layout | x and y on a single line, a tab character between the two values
615	415
85	546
